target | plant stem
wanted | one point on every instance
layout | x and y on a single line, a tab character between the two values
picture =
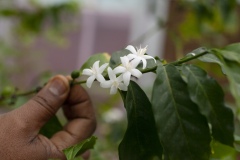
26	93
36	90
79	82
178	62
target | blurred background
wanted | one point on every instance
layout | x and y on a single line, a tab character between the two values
42	38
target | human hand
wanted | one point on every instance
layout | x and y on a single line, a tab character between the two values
19	129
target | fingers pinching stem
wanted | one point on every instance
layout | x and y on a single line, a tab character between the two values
79	111
45	103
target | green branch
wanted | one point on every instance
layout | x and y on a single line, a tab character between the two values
178	62
181	61
39	88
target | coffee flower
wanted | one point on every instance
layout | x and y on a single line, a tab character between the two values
127	69
119	77
95	72
114	82
139	55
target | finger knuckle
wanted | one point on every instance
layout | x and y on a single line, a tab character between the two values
44	103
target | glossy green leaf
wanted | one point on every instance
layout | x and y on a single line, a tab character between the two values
123	95
140	141
209	96
102	57
231	52
211	58
51	127
228	55
80	148
230	67
183	131
234	47
232	71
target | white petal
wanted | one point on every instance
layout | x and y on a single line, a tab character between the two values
124	60
106	84
136	73
149	57
135	62
102	68
122	87
96	65
144	63
111	74
142	51
119	69
100	78
126	78
131	49
120	78
131	56
90	81
113	90
87	72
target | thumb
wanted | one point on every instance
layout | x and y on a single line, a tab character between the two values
45	104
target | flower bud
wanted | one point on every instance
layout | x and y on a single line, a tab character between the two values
75	74
7	91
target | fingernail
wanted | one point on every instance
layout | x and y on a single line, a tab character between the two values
57	87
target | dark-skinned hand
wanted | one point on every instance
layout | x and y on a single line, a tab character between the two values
19	129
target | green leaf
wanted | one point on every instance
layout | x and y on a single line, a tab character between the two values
80	148
123	95
183	131
229	55
140	141
102	57
231	52
230	67
211	58
223	152
51	127
209	96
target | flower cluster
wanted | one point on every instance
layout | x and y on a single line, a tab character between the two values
120	76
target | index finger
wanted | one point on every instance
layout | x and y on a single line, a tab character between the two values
78	109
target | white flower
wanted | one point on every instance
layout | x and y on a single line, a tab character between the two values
127	69
139	55
94	72
114	83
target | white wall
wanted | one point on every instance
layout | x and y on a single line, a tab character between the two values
143	15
